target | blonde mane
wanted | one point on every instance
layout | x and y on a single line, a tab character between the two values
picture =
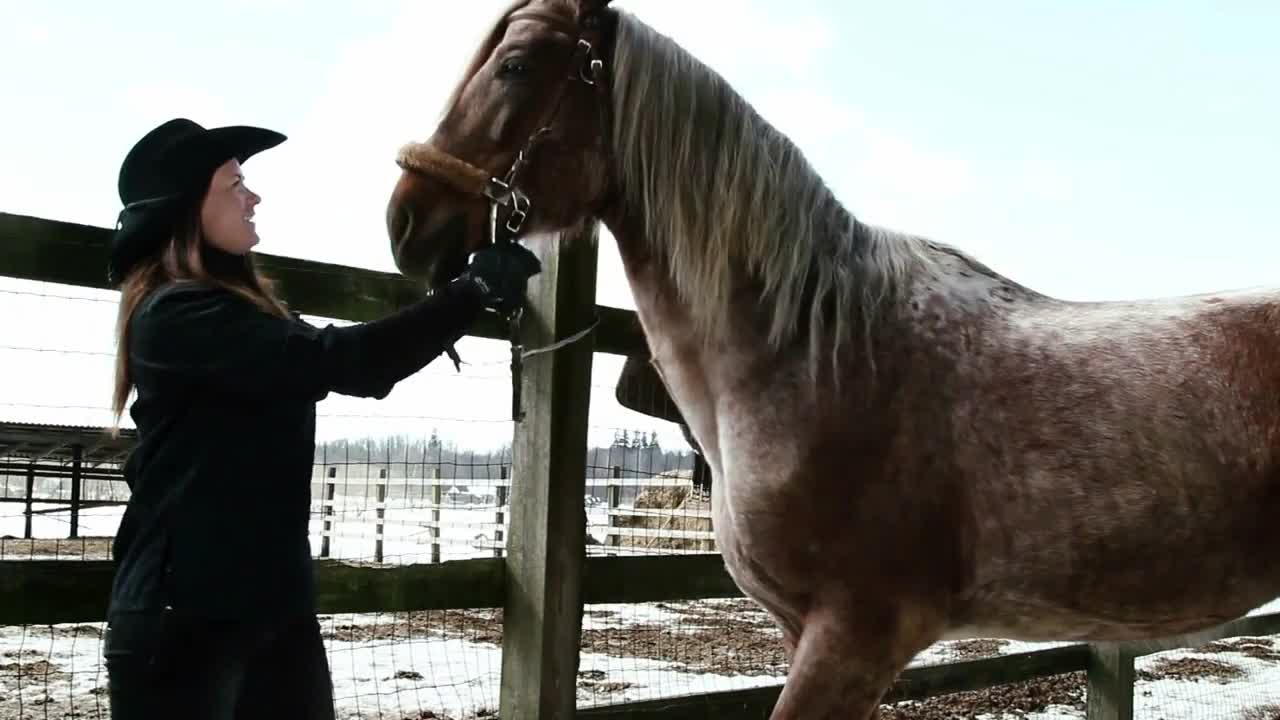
726	196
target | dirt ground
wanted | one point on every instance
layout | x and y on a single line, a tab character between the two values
87	548
1262	712
735	640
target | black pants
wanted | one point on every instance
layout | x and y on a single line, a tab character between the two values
161	666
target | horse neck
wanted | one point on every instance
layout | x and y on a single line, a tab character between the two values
657	303
735	345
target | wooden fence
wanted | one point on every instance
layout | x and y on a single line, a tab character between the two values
634	528
545	579
437	486
89	488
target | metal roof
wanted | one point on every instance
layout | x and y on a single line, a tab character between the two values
57	443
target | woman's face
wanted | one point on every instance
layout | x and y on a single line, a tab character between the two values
226	215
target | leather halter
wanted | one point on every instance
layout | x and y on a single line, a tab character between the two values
585	66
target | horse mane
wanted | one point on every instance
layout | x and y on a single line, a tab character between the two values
719	189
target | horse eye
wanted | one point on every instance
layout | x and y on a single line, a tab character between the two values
513	67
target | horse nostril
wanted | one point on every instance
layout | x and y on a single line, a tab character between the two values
399	223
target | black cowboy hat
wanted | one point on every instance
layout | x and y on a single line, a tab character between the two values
166	172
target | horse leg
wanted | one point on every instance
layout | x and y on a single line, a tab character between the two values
845	662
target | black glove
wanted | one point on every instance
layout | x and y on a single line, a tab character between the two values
501	271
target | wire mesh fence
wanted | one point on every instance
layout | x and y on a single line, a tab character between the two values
43	518
436	503
430	663
646	651
395	497
52	671
395	501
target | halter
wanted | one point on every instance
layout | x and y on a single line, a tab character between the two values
585	66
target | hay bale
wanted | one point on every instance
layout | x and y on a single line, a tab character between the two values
681	497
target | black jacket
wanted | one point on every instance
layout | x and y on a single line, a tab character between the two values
217	522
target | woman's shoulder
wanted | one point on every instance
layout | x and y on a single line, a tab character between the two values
180	289
183	297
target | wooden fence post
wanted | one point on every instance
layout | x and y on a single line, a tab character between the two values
546	539
327	511
77	458
31	491
613	496
1110	683
381	513
437	498
499	517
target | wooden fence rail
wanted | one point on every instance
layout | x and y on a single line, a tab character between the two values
56	251
75	472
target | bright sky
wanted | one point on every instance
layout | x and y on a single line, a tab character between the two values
1089	150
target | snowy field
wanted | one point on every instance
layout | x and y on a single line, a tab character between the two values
405	665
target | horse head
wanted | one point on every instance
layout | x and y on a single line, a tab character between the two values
520	148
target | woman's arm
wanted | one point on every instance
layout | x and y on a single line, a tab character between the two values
396	346
198	332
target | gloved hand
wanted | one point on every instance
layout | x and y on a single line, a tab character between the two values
502	272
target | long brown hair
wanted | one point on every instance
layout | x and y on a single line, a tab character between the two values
181	260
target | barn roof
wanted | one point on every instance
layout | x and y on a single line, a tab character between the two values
57	443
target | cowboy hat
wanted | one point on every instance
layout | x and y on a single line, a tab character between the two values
167	171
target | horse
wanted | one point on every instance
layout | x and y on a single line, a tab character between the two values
906	446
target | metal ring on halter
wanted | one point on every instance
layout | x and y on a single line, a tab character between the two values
594	65
497	191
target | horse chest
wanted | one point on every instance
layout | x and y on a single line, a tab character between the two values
746	432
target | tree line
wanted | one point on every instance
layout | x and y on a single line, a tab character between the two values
637	454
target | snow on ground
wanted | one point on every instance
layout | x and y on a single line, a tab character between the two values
58	671
459	679
49	674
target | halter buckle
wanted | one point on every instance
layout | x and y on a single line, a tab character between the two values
519	211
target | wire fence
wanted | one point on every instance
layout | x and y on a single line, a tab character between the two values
385	491
394	483
391	501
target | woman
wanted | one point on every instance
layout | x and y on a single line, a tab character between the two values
212	611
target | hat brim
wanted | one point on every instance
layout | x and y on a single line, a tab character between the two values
206	151
239	141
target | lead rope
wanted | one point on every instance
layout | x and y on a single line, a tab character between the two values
517	363
519	354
